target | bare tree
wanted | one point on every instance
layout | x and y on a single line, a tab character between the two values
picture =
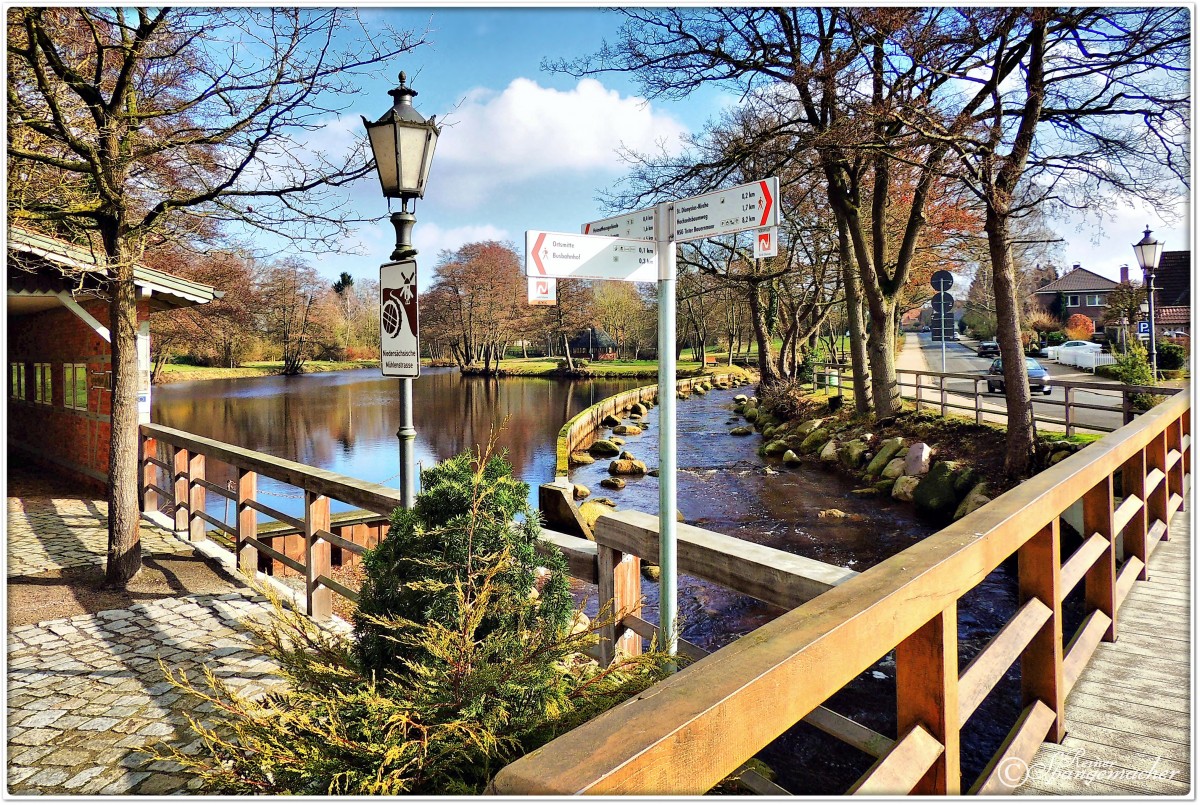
167	121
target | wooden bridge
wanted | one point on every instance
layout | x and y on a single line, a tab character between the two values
689	732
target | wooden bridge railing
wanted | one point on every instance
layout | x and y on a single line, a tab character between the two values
689	732
188	490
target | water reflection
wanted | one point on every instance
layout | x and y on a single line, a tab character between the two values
347	421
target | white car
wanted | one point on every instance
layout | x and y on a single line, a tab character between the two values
1051	353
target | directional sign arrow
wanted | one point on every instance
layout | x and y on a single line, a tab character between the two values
724	212
562	254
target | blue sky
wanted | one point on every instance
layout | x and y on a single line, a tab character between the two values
528	149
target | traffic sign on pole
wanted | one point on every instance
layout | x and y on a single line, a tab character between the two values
1143	328
637	225
724	212
399	327
941	280
589	257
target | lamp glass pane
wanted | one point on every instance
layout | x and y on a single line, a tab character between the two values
383	146
430	145
412	157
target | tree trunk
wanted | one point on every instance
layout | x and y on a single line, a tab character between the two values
762	336
567	350
1019	445
124	545
858	341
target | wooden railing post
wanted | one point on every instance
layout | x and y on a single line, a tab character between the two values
148	498
1157	501
927	695
942	388
1133	536
618	587
1126	407
1100	582
1174	437
1070	425
179	472
1038	564
246	523
197	496
978	403
318	598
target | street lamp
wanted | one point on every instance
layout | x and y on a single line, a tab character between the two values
402	143
1148	251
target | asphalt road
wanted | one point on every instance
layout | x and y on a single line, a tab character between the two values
921	352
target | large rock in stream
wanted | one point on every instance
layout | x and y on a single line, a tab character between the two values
887	451
935	496
603	448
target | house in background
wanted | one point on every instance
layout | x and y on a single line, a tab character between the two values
593	344
1173	293
1082	291
60	355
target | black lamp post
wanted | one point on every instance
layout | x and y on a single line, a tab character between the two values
402	142
1148	251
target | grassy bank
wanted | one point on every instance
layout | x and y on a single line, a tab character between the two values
548	367
180	372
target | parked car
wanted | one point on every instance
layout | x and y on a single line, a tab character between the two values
925	329
1175	333
1051	353
1037	376
988	348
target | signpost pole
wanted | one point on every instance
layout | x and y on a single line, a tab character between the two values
943	347
667	585
407	435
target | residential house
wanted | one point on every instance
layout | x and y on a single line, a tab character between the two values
1082	291
1173	293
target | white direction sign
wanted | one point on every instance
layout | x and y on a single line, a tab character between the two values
589	257
399	328
638	225
724	212
543	291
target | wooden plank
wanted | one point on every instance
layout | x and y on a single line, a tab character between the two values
1038	575
180	482
156	461
343	543
214	488
1079	650
159	490
620	594
147	447
1156	693
1100	580
580	553
1133	526
768	574
1129	509
1099	712
849	731
927	696
318	601
990	664
278	556
363	494
1130	573
1173	457
279	516
648	630
247	523
1006	770
1118	739
197	499
900	770
1075	568
1174	505
339	588
200	514
1154	479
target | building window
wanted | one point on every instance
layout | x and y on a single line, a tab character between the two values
16	379
1072	300
43	384
75	386
102	380
1095	299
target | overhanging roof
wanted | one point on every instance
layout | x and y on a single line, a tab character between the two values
40	266
1078	279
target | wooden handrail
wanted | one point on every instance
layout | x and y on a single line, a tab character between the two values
688	732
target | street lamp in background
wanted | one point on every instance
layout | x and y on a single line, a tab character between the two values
1148	251
402	142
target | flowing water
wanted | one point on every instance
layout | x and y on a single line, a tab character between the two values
347	422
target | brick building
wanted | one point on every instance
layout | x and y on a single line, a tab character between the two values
1082	291
59	355
1173	293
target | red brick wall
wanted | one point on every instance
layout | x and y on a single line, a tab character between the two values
74	442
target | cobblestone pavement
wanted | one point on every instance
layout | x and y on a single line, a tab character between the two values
86	692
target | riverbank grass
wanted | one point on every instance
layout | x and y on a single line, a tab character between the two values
546	367
182	372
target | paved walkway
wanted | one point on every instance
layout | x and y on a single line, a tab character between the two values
86	692
1129	726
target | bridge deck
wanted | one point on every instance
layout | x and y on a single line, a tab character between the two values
1128	716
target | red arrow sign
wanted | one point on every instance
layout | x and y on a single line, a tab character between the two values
537	257
766	191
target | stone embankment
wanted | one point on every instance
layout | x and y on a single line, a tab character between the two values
907	469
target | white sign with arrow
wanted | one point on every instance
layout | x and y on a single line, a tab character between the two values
589	257
637	225
724	212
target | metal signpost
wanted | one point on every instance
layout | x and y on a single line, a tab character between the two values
400	355
943	308
618	248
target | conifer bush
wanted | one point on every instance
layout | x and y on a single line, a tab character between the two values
456	665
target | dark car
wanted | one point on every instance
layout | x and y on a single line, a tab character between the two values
924	329
1038	376
988	348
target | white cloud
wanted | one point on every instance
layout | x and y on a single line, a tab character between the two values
431	239
494	139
